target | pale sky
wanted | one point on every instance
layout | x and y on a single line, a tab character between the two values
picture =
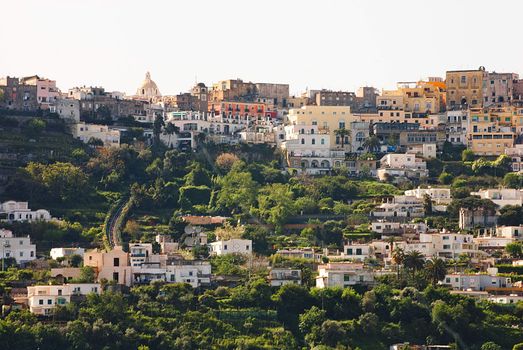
316	44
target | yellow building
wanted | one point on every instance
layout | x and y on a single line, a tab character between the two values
465	88
327	118
490	132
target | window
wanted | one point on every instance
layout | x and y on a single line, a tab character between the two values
349	251
302	141
49	302
225	247
358	251
116	262
322	141
342	124
313	141
346	278
247	247
41	302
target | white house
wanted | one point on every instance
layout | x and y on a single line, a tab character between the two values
231	246
499	237
43	299
398	164
64	252
476	282
400	206
282	276
501	197
19	211
445	245
357	251
19	248
440	196
343	274
87	132
195	272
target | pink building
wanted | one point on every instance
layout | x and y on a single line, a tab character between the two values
46	90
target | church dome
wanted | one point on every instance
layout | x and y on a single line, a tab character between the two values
148	89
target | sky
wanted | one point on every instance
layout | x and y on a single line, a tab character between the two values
329	44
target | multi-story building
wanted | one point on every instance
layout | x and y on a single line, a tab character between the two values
498	88
516	155
357	251
456	127
300	253
498	237
397	164
476	282
343	275
400	206
281	276
46	91
18	248
12	211
445	245
17	95
441	197
501	196
335	98
194	272
67	109
113	265
477	217
488	133
465	88
92	133
44	299
231	246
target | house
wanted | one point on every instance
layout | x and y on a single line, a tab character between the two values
393	228
94	132
400	206
194	272
231	246
501	197
498	237
65	252
13	211
445	245
113	265
43	299
476	282
441	197
167	245
358	252
471	218
282	276
18	248
397	164
67	109
343	274
300	253
516	156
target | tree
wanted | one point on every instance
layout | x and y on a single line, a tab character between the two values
238	191
225	161
275	204
445	178
158	124
372	143
518	346
413	261
513	180
169	130
511	215
227	232
436	269
490	346
427	204
515	250
342	133
467	155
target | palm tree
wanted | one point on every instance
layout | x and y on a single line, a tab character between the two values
170	129
398	256
436	269
372	143
413	261
342	133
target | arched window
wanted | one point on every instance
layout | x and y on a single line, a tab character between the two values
312	131
313	141
302	131
302	141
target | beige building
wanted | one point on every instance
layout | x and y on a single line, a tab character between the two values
112	266
465	88
89	132
42	300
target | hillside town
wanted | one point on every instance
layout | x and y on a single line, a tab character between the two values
236	186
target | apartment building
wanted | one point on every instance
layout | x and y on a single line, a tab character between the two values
498	237
18	248
46	91
113	265
498	88
456	127
397	164
357	251
476	217
501	196
440	197
42	300
465	88
489	135
17	95
476	282
516	155
400	206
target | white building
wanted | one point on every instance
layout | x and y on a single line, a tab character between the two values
387	227
282	276
194	272
231	246
516	155
499	237
501	197
300	253
358	252
444	245
456	127
440	196
19	211
65	252
343	275
139	253
397	164
88	132
19	248
43	299
400	206
476	282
